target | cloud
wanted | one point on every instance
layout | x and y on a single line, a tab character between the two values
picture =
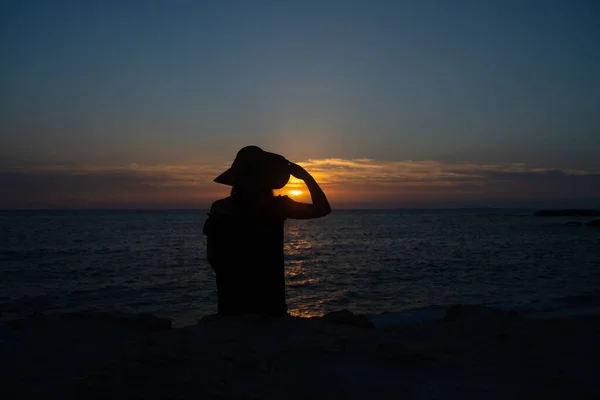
356	182
342	171
366	183
137	186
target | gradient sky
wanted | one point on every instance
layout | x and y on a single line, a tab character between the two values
389	103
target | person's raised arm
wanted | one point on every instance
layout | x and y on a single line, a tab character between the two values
320	206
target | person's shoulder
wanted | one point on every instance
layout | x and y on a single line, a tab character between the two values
284	203
284	200
221	206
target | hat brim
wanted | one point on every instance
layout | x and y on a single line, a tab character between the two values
274	172
227	178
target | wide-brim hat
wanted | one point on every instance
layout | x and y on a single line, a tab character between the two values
256	166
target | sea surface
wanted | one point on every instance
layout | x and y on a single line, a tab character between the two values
369	262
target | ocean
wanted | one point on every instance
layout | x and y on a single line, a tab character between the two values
367	261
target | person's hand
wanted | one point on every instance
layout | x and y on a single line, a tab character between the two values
298	172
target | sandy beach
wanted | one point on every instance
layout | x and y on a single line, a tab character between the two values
472	353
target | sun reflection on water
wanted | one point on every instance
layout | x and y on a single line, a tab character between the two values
302	279
305	313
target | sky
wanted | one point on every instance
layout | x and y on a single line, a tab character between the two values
140	104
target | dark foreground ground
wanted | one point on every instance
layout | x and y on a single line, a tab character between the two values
473	354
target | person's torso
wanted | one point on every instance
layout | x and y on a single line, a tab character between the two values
247	237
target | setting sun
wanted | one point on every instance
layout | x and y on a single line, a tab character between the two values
295	192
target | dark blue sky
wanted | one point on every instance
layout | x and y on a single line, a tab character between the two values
190	82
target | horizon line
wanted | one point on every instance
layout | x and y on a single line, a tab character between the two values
338	208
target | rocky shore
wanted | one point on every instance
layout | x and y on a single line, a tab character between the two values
471	353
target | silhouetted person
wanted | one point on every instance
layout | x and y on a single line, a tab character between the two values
245	231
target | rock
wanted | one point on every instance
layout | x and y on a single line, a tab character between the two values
345	317
238	358
43	356
342	317
567	213
595	222
243	317
141	322
468	310
144	322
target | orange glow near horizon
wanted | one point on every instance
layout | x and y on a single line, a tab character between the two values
347	183
294	188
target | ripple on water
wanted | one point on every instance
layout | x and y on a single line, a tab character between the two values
365	261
